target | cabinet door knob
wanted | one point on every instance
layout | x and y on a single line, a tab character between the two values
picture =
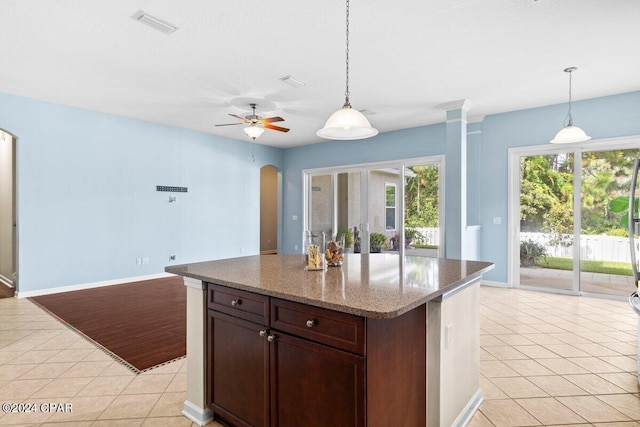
263	334
271	338
236	302
311	323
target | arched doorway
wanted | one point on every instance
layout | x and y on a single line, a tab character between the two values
269	210
8	215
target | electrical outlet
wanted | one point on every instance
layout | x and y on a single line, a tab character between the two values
138	261
145	260
448	332
172	257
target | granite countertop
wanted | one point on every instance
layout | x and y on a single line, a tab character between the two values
379	286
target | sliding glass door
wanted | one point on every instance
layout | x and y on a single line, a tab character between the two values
570	237
382	207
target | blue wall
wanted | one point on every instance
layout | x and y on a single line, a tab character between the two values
605	117
88	205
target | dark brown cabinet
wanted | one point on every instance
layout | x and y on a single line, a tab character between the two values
273	362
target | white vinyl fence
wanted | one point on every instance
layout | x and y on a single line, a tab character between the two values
592	247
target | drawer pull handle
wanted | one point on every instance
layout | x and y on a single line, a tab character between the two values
236	302
263	334
271	338
311	323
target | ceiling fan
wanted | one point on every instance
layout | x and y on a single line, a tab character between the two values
257	124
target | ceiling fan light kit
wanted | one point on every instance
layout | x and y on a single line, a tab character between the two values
257	124
570	133
347	123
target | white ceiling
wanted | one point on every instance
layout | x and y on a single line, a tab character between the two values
407	57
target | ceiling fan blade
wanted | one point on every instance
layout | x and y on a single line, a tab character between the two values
272	119
230	124
238	117
278	128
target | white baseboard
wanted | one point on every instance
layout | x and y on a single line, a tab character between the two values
196	414
469	411
28	294
4	280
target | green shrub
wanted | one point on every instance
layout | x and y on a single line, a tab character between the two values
530	252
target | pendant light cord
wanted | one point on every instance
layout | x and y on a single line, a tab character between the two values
346	93
570	118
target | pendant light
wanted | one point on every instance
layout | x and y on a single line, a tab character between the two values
347	122
570	133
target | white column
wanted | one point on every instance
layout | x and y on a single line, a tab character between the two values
455	177
195	407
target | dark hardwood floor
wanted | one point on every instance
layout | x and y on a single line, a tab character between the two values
143	322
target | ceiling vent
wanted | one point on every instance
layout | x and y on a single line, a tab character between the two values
155	23
292	81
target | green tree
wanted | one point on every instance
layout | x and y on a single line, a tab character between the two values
421	197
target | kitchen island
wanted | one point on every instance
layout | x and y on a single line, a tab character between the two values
381	340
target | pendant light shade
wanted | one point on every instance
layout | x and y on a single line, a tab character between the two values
253	131
570	133
347	123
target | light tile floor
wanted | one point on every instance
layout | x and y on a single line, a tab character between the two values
545	360
551	360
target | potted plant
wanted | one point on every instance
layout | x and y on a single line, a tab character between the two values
377	241
411	234
348	237
530	252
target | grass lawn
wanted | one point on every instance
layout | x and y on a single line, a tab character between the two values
606	267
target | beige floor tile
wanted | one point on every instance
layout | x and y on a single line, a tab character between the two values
522	329
484	355
562	366
71	355
33	356
595	349
624	380
621	424
496	368
69	424
179	383
45	370
557	386
549	411
570	338
490	340
86	369
98	355
543	339
536	351
595	365
147	383
117	369
518	387
528	367
169	368
106	386
62	387
594	384
505	352
624	348
169	405
507	413
516	339
626	403
21	389
135	422
566	350
11	372
625	363
592	409
490	391
130	406
479	420
8	356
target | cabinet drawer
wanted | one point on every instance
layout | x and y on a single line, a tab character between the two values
339	330
245	305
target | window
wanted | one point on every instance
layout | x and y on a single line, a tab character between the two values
390	206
